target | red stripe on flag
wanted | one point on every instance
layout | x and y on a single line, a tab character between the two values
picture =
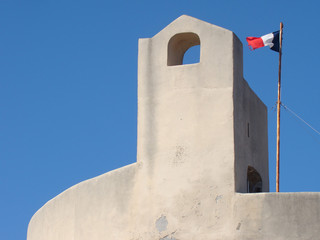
255	42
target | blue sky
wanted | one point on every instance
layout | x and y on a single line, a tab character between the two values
68	90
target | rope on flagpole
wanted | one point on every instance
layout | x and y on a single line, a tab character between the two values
300	118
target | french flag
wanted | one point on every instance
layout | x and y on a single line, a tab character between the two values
271	40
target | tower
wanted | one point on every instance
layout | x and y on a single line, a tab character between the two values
202	146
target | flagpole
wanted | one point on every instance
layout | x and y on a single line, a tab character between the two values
278	110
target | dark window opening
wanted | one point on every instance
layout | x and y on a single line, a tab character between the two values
181	49
254	181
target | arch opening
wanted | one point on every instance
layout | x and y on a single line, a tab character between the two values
254	181
179	44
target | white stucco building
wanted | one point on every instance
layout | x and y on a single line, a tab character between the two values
202	157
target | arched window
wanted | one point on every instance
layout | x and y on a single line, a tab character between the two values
254	181
179	44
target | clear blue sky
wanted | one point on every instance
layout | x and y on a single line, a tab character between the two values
68	90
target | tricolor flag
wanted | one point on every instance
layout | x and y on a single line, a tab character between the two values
271	40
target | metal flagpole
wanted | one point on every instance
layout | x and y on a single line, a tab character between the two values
278	109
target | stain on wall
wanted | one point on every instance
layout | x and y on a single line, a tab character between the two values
161	224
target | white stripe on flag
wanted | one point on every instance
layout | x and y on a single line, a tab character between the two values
267	40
